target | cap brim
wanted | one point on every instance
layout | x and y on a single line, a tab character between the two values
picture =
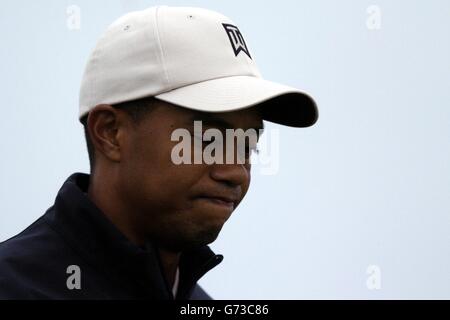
278	103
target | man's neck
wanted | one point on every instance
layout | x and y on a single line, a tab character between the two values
100	194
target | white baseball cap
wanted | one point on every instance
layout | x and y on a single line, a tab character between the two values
191	57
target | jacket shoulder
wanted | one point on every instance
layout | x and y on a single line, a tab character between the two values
26	260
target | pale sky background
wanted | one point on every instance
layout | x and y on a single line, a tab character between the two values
368	185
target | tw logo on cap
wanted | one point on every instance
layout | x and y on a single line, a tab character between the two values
236	39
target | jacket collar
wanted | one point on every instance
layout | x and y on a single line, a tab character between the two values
89	232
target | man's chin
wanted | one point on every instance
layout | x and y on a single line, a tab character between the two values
192	241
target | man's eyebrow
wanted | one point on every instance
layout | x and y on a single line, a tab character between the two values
212	119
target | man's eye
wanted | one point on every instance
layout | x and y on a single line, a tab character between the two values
204	142
249	149
199	138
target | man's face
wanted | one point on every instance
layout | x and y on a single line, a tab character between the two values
181	206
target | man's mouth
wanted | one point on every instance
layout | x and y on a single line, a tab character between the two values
226	202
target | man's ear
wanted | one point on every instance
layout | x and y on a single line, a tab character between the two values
105	126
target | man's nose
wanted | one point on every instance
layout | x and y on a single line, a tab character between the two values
231	174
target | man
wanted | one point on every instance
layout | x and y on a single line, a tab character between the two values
138	227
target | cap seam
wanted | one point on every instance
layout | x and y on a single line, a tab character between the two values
160	44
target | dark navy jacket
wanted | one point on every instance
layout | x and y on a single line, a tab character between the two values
36	264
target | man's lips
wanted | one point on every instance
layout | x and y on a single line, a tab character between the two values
228	202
